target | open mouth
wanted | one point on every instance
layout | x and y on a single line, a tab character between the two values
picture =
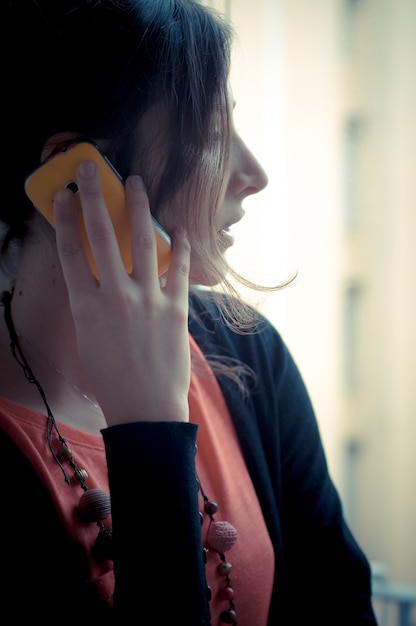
227	237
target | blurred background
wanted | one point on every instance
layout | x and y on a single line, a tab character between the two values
326	99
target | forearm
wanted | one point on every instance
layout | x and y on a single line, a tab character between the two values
158	560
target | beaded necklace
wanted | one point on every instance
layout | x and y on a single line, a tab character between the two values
59	372
95	504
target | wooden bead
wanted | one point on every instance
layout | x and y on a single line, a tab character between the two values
224	568
229	617
83	474
64	453
226	593
95	505
210	507
221	536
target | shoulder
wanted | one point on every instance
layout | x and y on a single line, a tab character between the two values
210	324
276	382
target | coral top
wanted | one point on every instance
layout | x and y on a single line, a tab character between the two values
223	476
225	479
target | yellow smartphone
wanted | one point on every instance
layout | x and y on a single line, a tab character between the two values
60	171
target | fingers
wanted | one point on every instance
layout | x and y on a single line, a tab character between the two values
87	244
143	241
85	237
70	242
177	283
144	244
100	240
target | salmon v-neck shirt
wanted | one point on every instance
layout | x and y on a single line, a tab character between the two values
225	479
223	476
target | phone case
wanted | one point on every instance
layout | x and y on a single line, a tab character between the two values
60	171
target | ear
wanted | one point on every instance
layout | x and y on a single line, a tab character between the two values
57	142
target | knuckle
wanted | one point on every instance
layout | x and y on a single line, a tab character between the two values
91	194
69	250
146	242
186	245
99	232
183	268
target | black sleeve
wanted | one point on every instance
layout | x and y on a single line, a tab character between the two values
322	575
158	556
158	562
324	565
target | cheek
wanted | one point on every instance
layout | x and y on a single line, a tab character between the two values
203	250
197	226
169	220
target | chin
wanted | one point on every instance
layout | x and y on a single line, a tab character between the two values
206	278
202	280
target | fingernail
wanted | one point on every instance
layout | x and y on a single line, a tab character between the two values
87	169
63	196
136	182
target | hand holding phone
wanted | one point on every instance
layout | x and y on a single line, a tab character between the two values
60	171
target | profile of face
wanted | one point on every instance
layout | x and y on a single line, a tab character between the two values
208	223
207	220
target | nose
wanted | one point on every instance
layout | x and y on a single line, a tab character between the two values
249	176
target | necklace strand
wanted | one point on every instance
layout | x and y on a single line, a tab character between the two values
58	371
95	504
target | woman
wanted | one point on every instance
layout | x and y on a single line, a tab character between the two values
143	488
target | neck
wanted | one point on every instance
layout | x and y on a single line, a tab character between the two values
40	311
42	320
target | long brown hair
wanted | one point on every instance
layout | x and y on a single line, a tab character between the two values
96	67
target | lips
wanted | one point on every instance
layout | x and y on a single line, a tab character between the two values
227	226
226	235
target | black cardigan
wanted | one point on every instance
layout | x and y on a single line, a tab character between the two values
321	574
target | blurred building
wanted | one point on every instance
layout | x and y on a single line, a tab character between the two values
326	99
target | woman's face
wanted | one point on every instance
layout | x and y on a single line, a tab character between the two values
243	177
208	226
